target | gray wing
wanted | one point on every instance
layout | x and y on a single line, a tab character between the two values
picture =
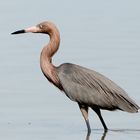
90	87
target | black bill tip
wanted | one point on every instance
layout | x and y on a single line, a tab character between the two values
18	32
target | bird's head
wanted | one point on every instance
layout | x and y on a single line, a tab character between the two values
44	27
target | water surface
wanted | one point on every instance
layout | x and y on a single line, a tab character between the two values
101	35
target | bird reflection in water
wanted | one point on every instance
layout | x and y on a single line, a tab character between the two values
102	137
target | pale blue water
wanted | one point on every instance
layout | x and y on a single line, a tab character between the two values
101	35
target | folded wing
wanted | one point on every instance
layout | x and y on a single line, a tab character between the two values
93	89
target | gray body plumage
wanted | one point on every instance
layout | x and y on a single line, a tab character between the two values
89	87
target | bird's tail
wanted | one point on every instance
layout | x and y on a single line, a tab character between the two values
133	108
129	105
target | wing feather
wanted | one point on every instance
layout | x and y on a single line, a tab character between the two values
90	87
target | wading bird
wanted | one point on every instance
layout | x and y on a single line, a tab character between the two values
86	87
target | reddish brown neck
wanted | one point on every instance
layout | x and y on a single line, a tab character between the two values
48	51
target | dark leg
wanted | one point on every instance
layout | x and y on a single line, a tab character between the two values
84	110
100	117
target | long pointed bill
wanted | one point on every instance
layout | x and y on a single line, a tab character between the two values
33	29
18	32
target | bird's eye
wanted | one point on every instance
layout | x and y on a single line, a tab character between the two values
41	26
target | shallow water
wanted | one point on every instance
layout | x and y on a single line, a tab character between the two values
101	35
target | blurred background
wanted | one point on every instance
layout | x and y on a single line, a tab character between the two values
101	35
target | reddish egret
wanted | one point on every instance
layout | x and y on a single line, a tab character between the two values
86	87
